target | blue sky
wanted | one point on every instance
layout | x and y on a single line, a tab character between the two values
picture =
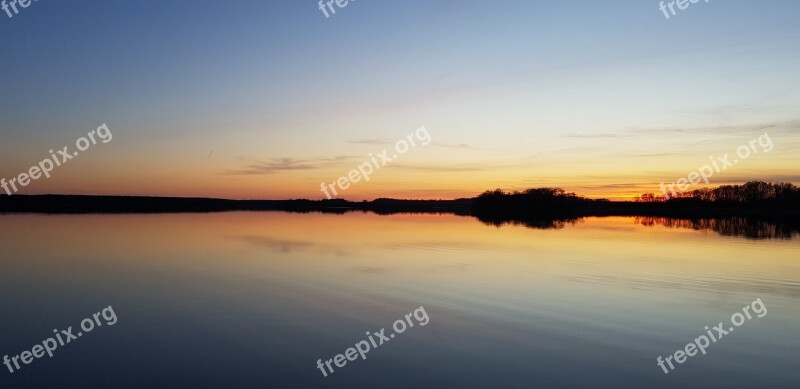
579	94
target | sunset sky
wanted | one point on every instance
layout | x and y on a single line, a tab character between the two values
267	99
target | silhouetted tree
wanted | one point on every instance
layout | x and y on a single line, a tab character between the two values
753	193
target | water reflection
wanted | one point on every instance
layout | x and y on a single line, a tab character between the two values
542	224
745	227
253	299
752	228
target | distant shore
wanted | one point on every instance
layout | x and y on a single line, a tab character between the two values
79	204
72	204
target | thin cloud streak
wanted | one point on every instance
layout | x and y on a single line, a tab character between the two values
384	142
276	165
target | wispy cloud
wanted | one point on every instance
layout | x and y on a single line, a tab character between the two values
275	165
463	146
599	135
716	131
386	142
657	154
455	168
438	168
371	142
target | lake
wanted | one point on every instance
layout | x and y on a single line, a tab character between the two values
255	299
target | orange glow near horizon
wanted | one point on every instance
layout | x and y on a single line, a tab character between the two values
185	169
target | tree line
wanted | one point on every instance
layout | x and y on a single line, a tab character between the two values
750	193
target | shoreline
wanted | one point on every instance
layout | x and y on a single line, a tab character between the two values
79	204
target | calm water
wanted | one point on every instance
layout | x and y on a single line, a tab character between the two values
255	299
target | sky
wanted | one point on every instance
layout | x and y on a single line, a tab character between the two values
269	99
